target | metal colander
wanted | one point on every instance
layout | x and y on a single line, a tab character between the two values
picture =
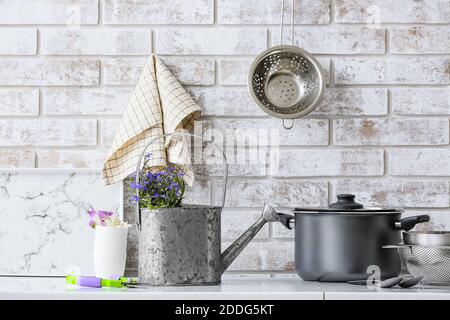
286	82
431	262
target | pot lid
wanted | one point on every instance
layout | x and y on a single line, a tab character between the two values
346	203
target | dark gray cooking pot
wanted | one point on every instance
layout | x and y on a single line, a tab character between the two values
340	242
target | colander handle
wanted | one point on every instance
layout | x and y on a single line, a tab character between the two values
185	134
282	22
288	127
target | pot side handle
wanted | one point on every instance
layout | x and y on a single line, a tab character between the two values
410	222
285	220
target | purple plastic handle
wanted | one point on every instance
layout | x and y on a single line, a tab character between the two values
93	282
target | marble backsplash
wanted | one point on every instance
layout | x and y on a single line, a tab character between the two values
44	227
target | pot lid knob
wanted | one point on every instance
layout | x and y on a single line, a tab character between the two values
346	201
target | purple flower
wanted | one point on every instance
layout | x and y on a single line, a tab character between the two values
134	198
92	224
174	185
135	185
91	213
104	214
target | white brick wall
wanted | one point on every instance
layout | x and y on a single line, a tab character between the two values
67	68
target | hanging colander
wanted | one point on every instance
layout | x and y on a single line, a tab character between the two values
286	81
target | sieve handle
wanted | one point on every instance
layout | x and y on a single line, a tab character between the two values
138	169
282	23
288	127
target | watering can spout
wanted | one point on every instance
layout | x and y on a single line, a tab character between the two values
268	215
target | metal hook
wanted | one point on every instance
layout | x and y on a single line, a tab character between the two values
288	127
282	22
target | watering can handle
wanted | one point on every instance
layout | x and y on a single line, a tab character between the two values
185	134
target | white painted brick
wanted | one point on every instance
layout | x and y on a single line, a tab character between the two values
265	255
226	101
122	71
189	71
392	70
304	131
310	163
279	193
17	159
388	11
234	71
354	132
353	102
45	133
108	129
281	232
235	223
420	40
419	162
88	101
158	12
18	41
199	193
19	102
244	169
41	72
242	161
334	40
421	100
269	11
91	159
211	41
397	193
70	12
96	42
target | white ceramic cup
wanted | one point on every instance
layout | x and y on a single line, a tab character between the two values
110	251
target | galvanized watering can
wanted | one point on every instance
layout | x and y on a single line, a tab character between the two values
181	246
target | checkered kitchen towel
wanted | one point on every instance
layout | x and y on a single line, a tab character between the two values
159	105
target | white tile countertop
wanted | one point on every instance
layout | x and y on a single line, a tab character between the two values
231	289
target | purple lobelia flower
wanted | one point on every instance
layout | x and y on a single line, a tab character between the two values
159	188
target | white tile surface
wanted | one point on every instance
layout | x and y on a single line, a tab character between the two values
344	291
231	289
237	288
44	224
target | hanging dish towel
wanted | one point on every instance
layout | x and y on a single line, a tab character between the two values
159	105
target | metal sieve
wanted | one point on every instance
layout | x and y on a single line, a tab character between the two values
431	262
286	81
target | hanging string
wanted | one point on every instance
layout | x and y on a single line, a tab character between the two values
292	24
282	22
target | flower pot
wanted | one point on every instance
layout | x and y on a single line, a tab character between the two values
110	251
